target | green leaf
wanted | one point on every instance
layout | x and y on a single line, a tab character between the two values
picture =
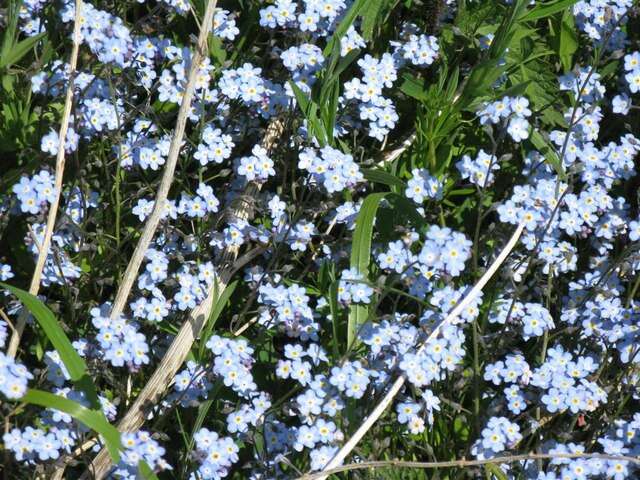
72	361
335	318
413	87
567	40
344	25
19	50
10	28
92	419
384	178
370	18
492	470
330	110
145	471
310	109
515	90
543	10
219	302
345	61
217	50
361	256
405	208
548	152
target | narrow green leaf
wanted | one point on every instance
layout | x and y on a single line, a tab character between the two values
361	256
361	248
515	90
145	471
330	111
92	419
405	208
370	18
567	40
72	361
413	87
384	178
203	411
220	301
310	109
19	50
10	28
345	61
217	49
461	192
548	152
335	318
344	25
542	10
303	101
493	471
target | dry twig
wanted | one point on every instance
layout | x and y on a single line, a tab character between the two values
466	463
131	273
153	221
43	251
399	382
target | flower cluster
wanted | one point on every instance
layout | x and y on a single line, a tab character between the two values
258	167
330	167
533	318
422	185
140	147
33	444
511	111
139	446
34	193
215	454
13	377
119	341
480	170
288	309
303	62
313	16
215	147
353	287
560	383
498	435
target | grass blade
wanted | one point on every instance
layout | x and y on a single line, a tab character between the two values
72	361
547	9
384	178
361	256
19	50
92	419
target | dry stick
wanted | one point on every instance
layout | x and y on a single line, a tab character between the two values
468	463
43	252
392	155
397	385
150	227
178	350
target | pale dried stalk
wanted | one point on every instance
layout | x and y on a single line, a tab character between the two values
177	352
43	251
131	273
393	154
153	221
399	382
468	463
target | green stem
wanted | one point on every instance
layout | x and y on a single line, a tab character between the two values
117	187
476	375
633	292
